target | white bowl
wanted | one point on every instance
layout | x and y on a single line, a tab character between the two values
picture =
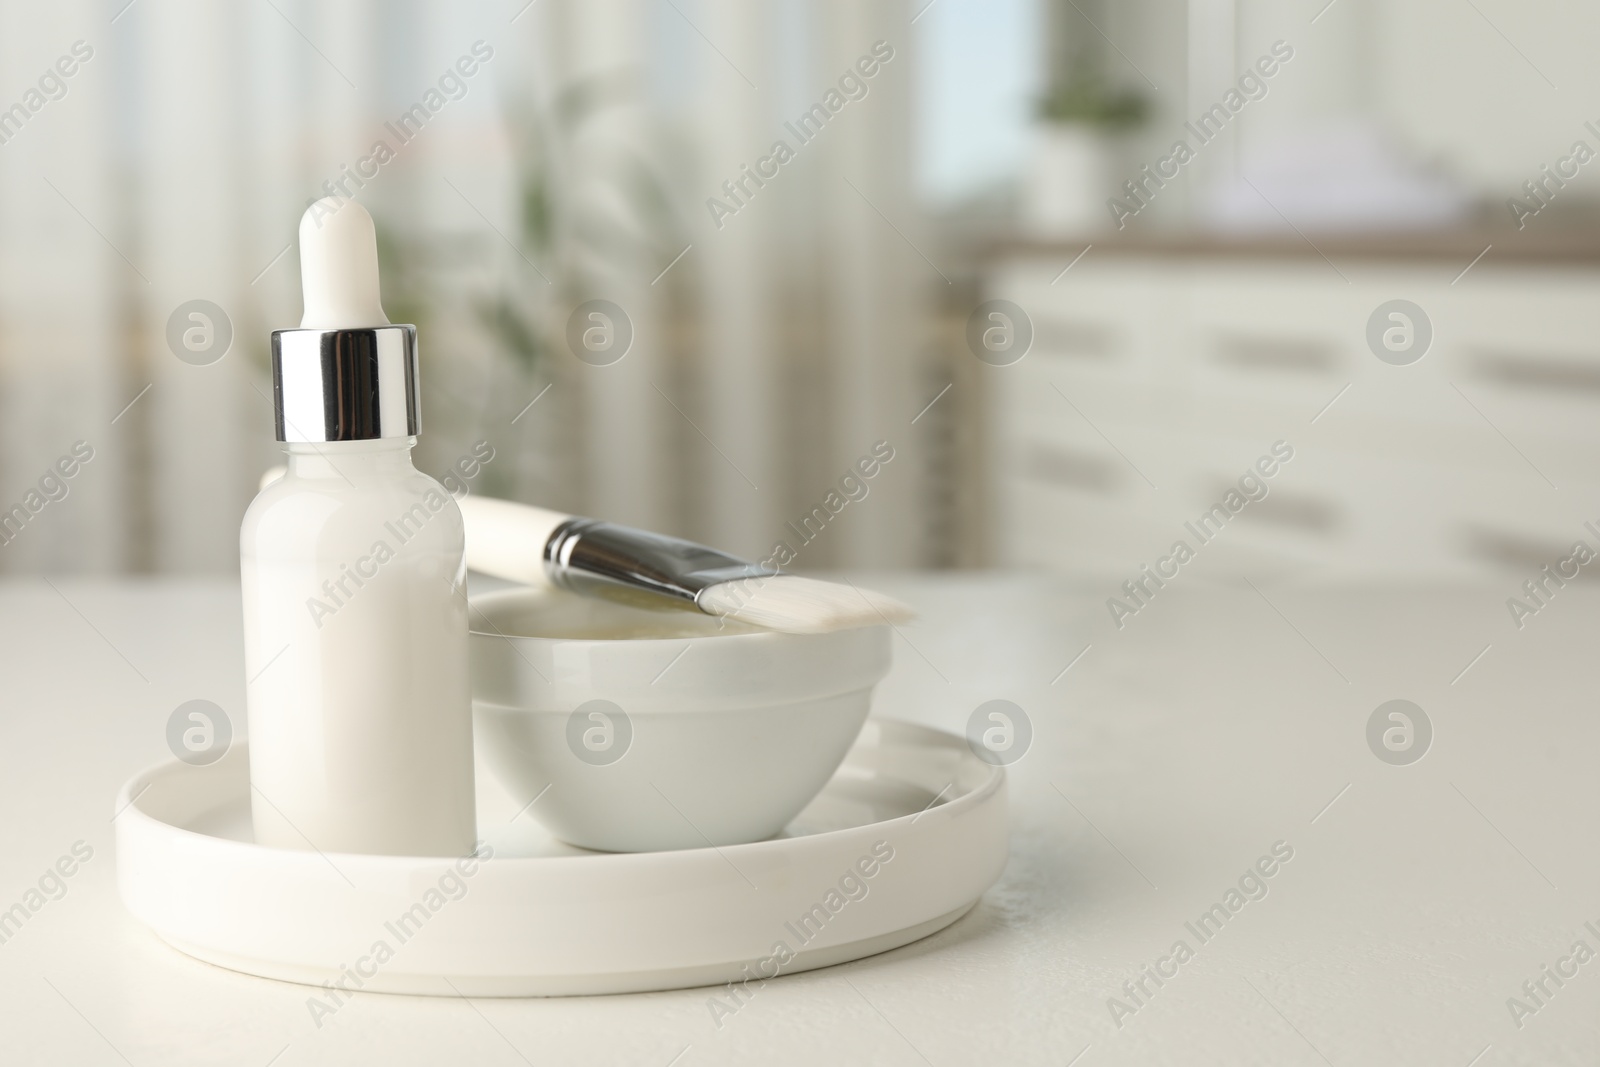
630	731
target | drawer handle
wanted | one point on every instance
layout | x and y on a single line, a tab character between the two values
1296	354
1528	371
1061	337
1311	514
1513	552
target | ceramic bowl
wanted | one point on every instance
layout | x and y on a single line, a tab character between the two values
629	730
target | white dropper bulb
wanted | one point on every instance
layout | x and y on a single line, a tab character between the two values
339	267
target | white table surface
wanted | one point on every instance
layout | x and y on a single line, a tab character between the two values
1165	762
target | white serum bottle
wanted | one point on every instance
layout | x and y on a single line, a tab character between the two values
355	612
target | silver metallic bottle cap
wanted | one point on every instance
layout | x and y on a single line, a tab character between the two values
345	385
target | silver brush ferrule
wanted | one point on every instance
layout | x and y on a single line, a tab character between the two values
617	562
345	385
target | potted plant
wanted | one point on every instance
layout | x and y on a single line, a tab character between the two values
1079	116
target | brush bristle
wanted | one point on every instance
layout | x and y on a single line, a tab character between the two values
801	605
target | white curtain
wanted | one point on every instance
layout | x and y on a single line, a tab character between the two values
768	356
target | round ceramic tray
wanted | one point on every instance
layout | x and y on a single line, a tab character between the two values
901	842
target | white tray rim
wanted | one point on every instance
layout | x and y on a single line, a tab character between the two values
970	826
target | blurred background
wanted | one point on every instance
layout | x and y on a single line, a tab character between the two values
772	314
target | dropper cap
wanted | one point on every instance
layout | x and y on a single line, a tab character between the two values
347	374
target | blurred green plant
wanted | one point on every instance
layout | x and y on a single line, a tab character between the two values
590	208
1077	88
575	240
402	268
1089	101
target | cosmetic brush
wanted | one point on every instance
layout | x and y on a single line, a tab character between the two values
546	548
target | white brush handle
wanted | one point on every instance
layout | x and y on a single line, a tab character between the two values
507	540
